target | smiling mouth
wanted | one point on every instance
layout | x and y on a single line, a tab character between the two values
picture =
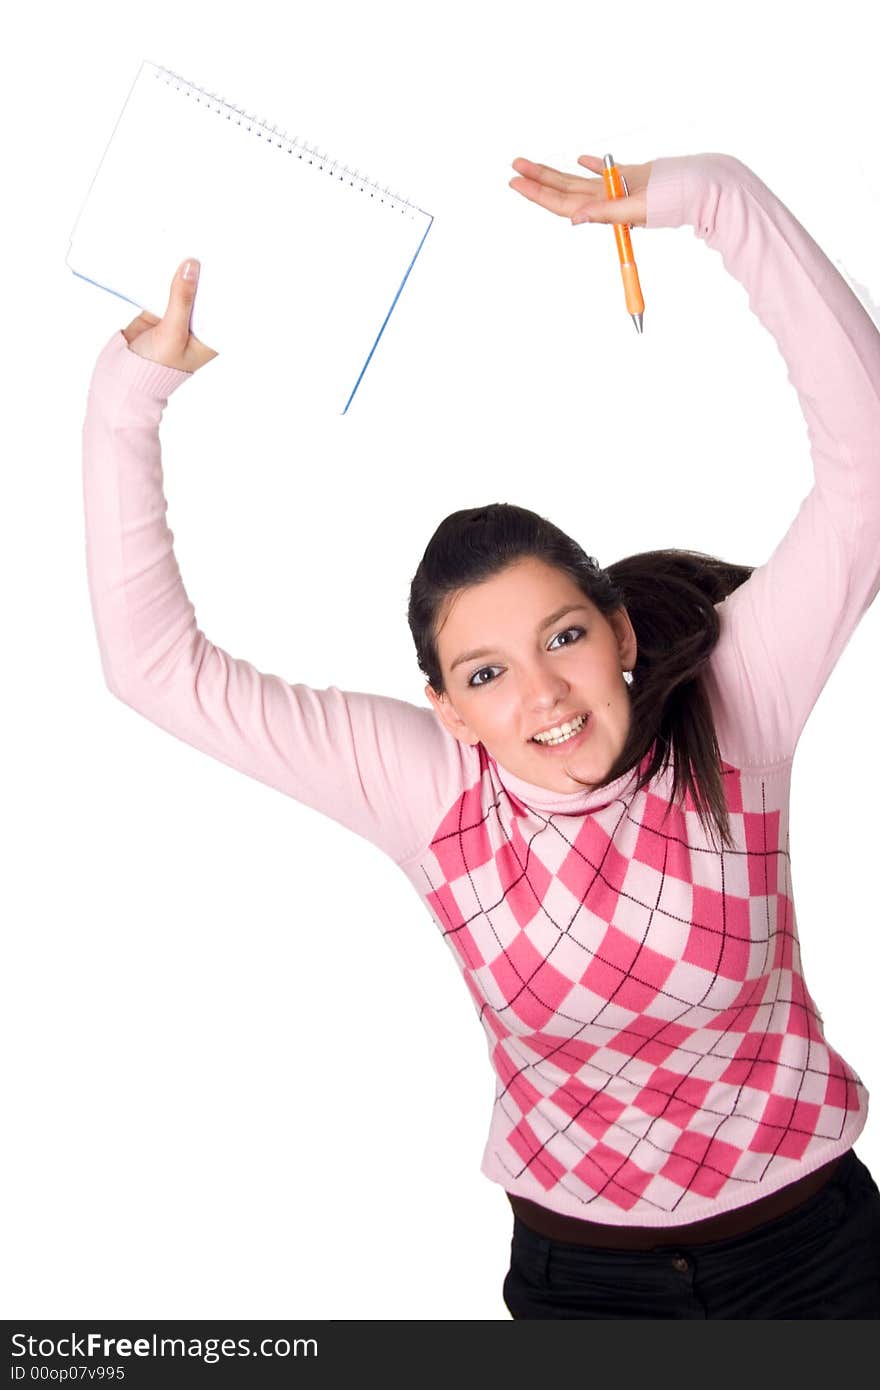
570	733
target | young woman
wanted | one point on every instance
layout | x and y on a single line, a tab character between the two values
593	805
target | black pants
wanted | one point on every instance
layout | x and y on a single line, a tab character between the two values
821	1260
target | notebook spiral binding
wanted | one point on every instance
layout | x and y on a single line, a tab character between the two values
291	143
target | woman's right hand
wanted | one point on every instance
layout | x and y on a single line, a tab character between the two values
168	340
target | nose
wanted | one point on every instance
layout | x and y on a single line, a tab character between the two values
546	688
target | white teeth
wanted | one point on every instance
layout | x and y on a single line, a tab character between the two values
560	733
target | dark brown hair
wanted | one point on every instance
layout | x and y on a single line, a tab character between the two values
670	596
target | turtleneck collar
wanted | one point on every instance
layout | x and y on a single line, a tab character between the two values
565	803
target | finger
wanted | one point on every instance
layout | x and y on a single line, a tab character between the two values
626	210
139	325
180	300
550	178
560	203
592	161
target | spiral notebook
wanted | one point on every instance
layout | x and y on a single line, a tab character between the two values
302	258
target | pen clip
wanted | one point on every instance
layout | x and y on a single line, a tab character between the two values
625	191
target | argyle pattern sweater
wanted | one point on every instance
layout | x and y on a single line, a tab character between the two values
657	1054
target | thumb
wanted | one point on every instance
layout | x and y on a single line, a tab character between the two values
183	293
626	210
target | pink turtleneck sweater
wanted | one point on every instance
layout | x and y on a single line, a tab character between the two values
658	1057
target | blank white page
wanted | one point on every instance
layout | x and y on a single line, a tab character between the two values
291	243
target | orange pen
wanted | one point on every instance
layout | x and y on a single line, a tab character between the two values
615	187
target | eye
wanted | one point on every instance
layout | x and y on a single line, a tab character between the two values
482	671
578	634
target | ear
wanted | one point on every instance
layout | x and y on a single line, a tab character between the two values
627	645
448	717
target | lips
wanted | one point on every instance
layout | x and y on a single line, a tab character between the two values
557	723
569	744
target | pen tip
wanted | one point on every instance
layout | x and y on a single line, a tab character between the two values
637	320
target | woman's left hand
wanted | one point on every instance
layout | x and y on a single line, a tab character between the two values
581	199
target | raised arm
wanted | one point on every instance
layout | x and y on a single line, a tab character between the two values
783	630
382	767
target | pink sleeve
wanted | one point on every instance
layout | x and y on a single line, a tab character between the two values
783	630
382	767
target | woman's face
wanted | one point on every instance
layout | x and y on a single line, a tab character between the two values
523	652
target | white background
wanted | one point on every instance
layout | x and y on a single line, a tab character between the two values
242	1075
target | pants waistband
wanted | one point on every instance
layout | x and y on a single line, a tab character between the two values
572	1229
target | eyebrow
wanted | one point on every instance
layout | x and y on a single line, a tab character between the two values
553	618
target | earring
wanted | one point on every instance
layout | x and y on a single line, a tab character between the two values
628	677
